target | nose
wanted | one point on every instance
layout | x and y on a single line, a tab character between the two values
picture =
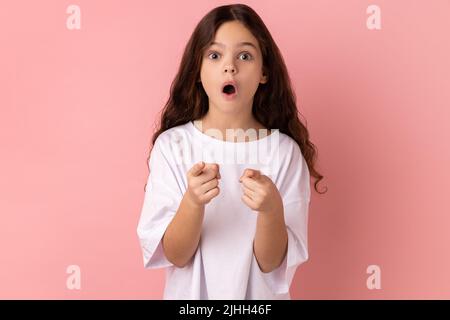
230	69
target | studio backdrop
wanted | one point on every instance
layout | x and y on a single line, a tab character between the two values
82	84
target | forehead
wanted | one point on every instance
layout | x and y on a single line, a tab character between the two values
234	34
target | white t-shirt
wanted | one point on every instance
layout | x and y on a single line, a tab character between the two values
224	266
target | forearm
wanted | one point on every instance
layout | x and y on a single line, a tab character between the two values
182	235
271	239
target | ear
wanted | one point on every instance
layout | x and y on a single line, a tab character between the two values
264	78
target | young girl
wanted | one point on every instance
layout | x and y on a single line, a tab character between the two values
224	226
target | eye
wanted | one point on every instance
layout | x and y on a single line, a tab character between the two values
246	54
212	54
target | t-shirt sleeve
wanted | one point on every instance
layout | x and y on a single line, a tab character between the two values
162	197
293	185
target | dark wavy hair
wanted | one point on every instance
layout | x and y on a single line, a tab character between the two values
188	100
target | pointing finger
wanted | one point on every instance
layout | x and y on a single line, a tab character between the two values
197	168
250	173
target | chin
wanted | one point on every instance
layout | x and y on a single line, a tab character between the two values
228	106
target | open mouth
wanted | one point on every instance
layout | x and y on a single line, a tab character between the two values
229	89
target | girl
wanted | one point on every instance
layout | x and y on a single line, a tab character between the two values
224	226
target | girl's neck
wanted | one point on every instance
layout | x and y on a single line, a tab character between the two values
223	122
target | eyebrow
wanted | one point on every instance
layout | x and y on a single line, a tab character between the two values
240	44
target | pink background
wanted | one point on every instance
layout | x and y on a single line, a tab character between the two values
77	109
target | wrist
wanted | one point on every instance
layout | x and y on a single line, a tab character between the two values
275	210
274	214
192	204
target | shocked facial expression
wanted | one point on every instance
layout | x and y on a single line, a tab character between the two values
232	67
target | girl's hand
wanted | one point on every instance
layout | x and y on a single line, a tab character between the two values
203	181
260	193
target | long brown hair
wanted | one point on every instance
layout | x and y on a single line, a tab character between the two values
188	100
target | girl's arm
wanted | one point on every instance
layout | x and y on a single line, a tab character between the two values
270	242
182	235
271	237
180	241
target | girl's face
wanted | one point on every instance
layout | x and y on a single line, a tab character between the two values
235	55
